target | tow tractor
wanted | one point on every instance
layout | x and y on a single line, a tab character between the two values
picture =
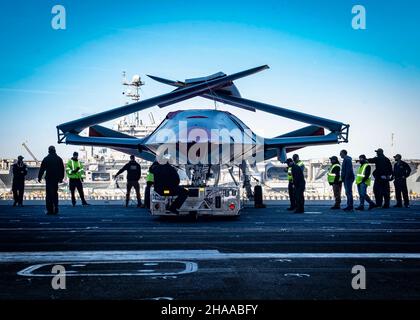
202	199
215	201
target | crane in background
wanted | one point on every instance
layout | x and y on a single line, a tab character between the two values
24	144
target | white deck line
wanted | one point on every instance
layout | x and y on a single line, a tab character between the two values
136	255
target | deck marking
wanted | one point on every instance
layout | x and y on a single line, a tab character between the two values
298	275
165	255
188	267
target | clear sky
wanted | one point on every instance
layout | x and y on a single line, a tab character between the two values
319	64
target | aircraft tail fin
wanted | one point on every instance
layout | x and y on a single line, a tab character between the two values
229	89
100	131
306	131
297	139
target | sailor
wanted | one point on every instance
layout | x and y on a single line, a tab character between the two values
76	174
290	186
401	172
347	176
19	171
149	184
334	179
53	167
299	163
166	182
299	185
363	181
133	176
382	175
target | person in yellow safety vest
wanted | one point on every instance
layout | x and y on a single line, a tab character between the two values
334	179
149	184
298	162
76	174
290	187
363	181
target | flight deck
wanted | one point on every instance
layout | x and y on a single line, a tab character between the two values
112	252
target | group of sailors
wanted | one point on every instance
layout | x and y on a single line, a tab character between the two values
165	179
340	175
162	175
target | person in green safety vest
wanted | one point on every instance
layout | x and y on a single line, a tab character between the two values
76	174
334	179
298	162
363	181
291	187
149	184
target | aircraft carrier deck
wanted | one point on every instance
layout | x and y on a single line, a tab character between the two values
112	252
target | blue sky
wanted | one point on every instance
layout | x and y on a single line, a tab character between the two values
319	64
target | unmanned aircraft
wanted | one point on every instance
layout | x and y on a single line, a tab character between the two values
204	139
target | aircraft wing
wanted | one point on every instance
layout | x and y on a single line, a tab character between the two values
306	131
129	145
314	134
219	87
293	142
223	83
229	89
229	94
181	94
331	125
282	145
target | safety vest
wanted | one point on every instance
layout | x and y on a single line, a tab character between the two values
289	174
301	165
361	174
72	166
150	177
331	175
